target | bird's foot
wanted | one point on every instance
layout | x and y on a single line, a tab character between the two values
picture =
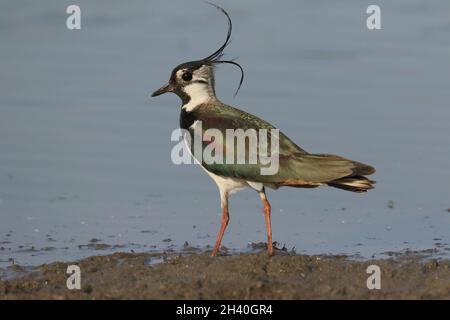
270	249
215	250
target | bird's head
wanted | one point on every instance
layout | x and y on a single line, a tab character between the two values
195	79
190	79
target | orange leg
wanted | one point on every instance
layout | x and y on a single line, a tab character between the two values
267	210
225	219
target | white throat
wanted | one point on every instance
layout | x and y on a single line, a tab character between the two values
199	93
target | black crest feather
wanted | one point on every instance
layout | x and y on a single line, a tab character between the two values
215	56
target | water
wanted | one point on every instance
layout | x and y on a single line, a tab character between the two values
85	151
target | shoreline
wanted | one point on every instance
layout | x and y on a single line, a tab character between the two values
195	275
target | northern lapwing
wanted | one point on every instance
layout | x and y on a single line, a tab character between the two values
193	82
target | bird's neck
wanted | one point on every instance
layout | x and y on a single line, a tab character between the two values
198	93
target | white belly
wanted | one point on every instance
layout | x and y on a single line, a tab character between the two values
228	185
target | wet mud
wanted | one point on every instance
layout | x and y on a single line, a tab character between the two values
193	274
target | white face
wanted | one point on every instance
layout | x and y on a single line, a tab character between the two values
197	85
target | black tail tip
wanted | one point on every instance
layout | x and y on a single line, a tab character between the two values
355	184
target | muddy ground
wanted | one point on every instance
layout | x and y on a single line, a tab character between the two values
195	275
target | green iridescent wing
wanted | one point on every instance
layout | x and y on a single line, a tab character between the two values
295	165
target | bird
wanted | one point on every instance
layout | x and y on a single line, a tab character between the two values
193	82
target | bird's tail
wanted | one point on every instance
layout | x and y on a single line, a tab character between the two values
353	183
313	170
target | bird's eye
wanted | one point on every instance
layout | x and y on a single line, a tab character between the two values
187	76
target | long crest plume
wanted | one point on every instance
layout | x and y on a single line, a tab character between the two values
218	54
